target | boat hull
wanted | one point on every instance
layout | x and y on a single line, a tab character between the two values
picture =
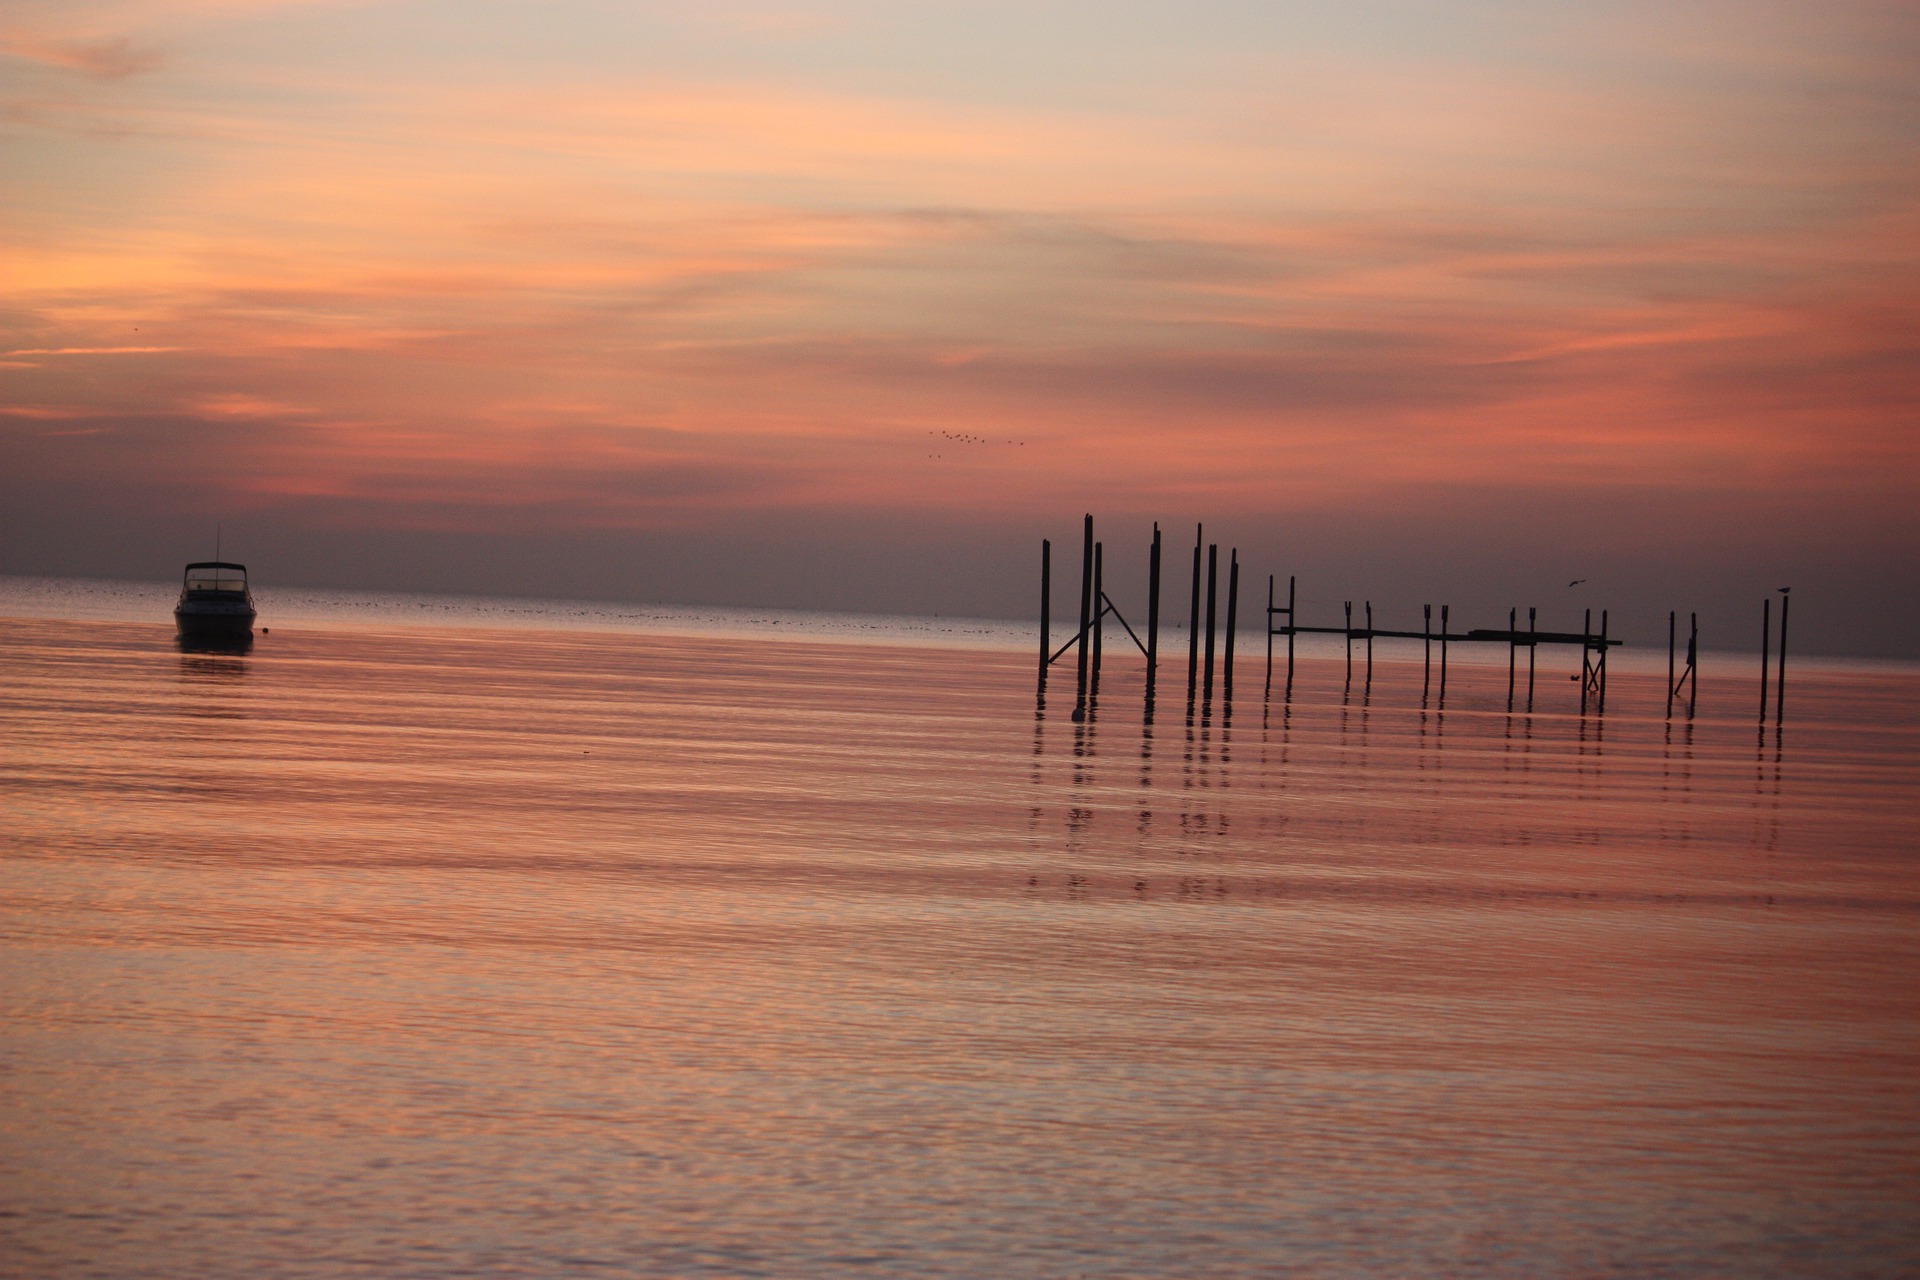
214	624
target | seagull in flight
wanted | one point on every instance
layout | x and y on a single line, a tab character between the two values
1576	582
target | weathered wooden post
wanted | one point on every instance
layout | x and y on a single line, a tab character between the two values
1688	675
1193	618
1369	644
1443	655
1268	690
1291	628
1780	677
1348	606
1693	654
1046	611
1213	574
1586	661
1153	614
1533	652
1099	623
1086	606
1426	630
1513	651
1600	676
1233	620
1673	620
1766	643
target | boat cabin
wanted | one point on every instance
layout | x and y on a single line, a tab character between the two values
215	578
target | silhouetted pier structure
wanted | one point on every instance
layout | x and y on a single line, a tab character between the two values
1282	620
1095	605
1593	644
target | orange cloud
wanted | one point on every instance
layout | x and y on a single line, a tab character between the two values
112	58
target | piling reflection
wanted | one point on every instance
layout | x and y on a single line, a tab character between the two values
1334	757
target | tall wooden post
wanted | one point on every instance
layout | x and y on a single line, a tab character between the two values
1348	607
1426	629
1193	618
1586	659
1153	613
1513	651
1291	619
1099	623
1268	691
1086	608
1780	677
1533	652
1046	609
1369	644
1673	623
1766	643
1600	676
1233	618
1213	574
1693	654
1443	655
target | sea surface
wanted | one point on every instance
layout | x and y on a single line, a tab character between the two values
431	942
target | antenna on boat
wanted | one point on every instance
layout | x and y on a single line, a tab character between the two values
216	539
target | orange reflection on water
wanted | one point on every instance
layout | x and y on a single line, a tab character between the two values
450	950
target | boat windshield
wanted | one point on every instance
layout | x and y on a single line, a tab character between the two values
216	578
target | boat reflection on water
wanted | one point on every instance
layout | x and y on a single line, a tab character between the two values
206	665
232	645
215	612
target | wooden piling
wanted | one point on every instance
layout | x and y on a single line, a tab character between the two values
1601	674
1348	606
1586	659
1193	617
1099	623
1673	622
1443	655
1766	643
1268	690
1693	655
1046	609
1533	652
1213	574
1369	644
1233	620
1153	613
1426	631
1780	675
1292	620
1086	608
1513	651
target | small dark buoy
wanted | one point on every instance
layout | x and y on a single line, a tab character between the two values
264	630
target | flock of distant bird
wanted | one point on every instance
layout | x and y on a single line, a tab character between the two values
966	437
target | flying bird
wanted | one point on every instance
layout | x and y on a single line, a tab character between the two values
1576	582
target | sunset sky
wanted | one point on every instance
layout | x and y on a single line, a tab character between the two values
849	304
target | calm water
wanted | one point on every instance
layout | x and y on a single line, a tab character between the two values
386	951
